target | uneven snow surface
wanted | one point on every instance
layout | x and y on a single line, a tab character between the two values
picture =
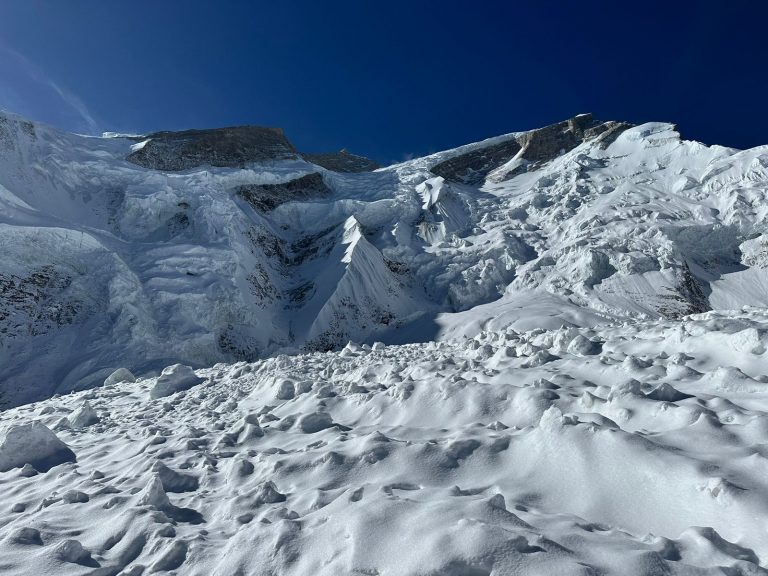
627	449
562	366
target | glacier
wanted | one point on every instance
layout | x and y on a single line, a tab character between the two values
225	245
542	353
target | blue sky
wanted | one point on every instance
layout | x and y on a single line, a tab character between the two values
386	79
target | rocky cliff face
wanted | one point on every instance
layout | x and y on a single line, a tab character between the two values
233	147
342	161
266	197
221	147
527	150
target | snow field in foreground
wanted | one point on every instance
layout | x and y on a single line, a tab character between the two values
626	449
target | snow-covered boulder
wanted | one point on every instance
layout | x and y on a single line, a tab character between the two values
267	493
25	536
72	551
120	375
173	481
311	423
583	346
285	390
75	497
33	444
247	428
750	340
174	379
83	416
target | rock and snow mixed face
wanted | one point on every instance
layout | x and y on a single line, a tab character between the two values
626	449
224	245
571	416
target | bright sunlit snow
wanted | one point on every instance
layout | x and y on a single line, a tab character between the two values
625	449
559	368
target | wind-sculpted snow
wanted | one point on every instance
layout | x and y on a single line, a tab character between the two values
627	449
242	248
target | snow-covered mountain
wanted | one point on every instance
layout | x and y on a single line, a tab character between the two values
560	365
229	244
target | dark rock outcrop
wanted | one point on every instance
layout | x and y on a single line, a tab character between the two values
223	147
342	161
233	147
607	132
37	303
690	289
474	166
266	197
537	146
688	296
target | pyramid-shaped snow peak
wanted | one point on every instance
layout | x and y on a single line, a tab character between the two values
371	294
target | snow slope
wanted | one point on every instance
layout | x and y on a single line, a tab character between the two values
580	389
241	248
626	449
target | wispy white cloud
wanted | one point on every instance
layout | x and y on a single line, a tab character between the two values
76	104
28	90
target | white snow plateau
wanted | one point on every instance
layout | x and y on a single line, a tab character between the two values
542	353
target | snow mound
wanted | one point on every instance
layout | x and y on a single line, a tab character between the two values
174	379
311	423
154	495
120	375
83	416
73	552
34	444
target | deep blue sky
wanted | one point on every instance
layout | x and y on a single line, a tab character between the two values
391	78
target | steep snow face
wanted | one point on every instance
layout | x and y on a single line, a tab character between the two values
211	251
367	292
625	449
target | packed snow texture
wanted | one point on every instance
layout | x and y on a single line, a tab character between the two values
243	248
627	449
